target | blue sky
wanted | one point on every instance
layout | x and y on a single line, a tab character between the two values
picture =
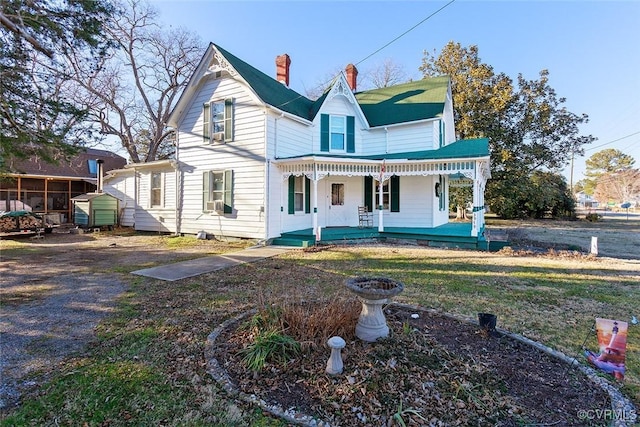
591	48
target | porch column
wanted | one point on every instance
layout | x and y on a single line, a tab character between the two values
380	216
478	203
314	202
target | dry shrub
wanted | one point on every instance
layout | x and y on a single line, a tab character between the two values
312	323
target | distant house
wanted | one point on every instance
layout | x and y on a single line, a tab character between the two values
585	201
255	159
47	189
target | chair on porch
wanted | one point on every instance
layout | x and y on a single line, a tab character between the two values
365	218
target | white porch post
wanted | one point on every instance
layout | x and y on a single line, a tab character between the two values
380	216
316	231
476	201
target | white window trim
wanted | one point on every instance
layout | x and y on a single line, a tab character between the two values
376	194
300	211
344	134
210	123
162	183
211	192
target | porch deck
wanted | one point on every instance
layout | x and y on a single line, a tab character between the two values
453	235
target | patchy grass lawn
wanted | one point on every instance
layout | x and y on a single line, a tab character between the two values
147	365
618	236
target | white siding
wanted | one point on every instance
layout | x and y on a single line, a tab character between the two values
417	197
411	137
122	186
291	137
245	155
156	218
450	129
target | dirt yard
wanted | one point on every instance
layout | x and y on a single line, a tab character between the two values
55	290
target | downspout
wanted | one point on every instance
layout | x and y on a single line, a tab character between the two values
267	178
177	189
135	196
386	140
275	156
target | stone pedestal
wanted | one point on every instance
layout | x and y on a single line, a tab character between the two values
334	364
373	292
372	324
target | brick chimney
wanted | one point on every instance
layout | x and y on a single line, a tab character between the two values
352	76
282	68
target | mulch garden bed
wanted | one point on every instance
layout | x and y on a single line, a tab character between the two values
432	370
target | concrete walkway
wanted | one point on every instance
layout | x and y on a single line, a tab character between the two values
196	267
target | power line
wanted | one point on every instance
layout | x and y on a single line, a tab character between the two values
611	142
406	32
381	48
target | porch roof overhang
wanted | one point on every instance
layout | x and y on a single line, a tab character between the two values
461	158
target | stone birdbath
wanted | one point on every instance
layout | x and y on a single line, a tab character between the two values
373	292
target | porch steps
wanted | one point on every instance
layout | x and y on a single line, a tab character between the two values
298	239
446	236
298	243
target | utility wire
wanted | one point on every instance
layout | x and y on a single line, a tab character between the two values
406	32
611	142
381	48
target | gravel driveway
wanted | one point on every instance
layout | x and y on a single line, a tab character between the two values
53	293
38	335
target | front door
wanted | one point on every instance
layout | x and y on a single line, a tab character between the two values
337	207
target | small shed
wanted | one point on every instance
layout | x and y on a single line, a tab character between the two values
95	210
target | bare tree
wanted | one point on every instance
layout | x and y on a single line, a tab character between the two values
385	74
619	187
132	91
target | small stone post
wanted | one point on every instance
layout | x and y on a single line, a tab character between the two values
594	246
334	364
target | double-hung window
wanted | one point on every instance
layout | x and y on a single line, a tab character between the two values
156	189
217	194
217	123
299	194
338	127
386	196
390	194
337	133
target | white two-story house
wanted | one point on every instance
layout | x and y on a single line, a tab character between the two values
255	159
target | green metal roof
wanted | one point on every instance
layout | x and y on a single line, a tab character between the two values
270	90
408	102
419	100
461	149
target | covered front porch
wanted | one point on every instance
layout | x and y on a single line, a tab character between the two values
406	194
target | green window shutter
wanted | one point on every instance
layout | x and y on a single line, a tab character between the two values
205	190
206	119
351	139
324	132
228	191
442	201
228	119
395	193
307	195
368	193
292	187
